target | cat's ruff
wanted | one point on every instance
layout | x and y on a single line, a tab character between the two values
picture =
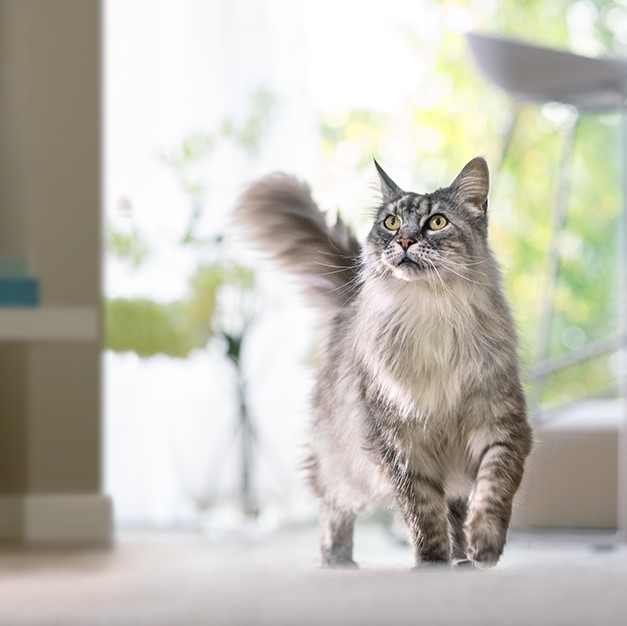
419	399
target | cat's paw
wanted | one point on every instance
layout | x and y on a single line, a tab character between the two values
485	543
339	562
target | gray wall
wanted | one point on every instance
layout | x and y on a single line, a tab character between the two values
50	162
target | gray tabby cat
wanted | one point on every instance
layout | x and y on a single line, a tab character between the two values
419	399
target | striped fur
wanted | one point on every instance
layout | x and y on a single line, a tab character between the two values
419	400
285	221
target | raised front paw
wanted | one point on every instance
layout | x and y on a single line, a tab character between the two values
485	542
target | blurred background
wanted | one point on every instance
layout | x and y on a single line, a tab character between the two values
203	97
166	110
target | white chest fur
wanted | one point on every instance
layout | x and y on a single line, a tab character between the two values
414	343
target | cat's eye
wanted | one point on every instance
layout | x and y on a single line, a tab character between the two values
392	222
437	222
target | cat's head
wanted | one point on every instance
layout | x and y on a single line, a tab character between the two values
443	234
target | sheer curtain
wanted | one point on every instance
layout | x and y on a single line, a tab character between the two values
174	69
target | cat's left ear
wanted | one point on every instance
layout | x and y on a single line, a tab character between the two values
473	183
389	189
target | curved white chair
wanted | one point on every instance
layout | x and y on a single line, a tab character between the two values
536	74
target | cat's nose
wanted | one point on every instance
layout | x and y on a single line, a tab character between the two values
405	243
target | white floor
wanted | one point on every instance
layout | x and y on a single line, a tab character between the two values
274	579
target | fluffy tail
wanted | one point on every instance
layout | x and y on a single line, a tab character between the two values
285	222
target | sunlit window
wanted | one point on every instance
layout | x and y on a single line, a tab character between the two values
203	97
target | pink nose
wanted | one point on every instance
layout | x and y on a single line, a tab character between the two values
405	243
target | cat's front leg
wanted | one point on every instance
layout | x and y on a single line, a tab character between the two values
490	506
457	513
422	502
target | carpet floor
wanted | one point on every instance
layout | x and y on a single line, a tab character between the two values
273	579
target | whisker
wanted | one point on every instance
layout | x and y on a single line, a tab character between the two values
352	284
431	283
340	251
448	263
445	286
449	269
340	267
471	264
338	271
481	258
337	255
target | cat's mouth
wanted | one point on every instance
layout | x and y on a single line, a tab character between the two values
410	263
408	269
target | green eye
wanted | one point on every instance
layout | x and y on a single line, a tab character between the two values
437	222
392	222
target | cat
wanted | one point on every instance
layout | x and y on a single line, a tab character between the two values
419	399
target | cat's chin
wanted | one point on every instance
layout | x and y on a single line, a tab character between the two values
410	273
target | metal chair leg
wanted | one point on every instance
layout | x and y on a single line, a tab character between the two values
558	220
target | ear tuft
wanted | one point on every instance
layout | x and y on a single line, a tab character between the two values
473	183
389	189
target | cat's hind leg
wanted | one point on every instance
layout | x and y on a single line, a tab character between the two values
337	527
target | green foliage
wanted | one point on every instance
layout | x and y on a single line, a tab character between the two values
197	147
455	115
248	134
129	247
149	328
205	284
234	346
175	329
360	127
452	116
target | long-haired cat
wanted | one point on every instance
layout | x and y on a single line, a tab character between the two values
419	399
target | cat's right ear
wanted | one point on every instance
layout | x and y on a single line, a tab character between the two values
389	189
